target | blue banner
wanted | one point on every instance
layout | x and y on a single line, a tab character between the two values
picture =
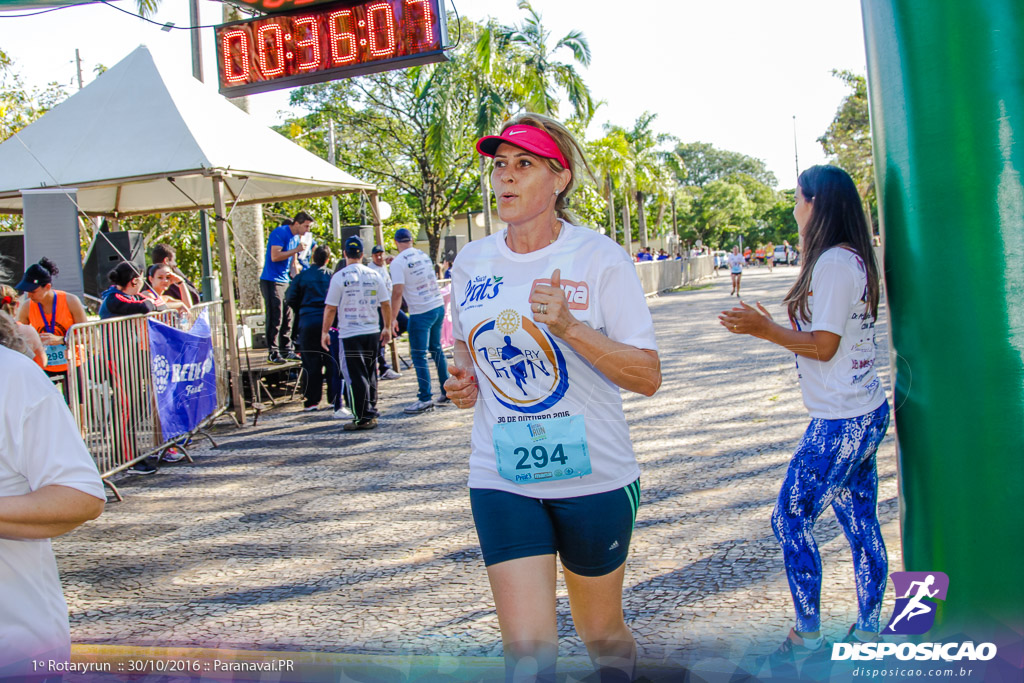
184	375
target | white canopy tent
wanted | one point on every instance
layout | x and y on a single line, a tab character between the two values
144	140
121	140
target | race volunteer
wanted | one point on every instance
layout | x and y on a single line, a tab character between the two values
550	322
353	295
412	277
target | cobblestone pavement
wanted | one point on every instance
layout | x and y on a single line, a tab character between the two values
296	536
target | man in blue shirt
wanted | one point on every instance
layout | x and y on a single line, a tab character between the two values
282	246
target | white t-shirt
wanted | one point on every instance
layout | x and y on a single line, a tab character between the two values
525	372
735	262
414	271
385	275
356	291
846	386
39	446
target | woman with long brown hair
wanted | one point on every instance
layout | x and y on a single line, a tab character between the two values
832	310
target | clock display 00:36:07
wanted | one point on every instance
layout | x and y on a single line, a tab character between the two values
279	46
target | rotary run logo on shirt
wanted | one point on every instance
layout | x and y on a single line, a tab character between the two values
523	363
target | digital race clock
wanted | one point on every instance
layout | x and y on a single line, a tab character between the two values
339	40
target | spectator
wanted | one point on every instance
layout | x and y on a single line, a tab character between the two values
51	313
412	275
179	286
283	245
158	281
124	297
305	296
34	345
354	294
377	263
48	486
662	255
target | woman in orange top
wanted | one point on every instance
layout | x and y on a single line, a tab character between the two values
51	313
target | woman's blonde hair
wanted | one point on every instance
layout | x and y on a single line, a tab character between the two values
8	299
571	150
10	337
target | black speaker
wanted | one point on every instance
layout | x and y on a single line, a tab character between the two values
106	251
12	257
453	244
363	232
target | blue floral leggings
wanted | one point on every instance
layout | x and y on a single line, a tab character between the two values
834	465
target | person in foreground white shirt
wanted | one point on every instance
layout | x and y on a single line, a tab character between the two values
49	485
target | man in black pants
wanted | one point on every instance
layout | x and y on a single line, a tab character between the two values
305	296
282	246
353	297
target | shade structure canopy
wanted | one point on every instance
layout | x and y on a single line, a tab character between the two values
142	139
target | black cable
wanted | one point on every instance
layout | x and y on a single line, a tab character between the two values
165	25
45	11
458	22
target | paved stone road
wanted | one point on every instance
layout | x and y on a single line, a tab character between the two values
296	536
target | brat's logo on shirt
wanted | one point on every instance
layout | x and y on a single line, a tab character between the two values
480	289
577	294
523	364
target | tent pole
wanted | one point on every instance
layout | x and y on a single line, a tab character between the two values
378	226
228	295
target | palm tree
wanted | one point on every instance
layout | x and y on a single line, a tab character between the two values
610	155
648	172
538	75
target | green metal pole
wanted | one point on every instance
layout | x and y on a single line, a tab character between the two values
946	85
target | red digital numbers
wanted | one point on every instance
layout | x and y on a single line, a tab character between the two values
339	40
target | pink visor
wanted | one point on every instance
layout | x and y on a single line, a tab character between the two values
532	139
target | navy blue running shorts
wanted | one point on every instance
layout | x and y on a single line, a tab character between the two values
591	533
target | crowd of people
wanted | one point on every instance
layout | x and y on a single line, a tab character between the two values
552	471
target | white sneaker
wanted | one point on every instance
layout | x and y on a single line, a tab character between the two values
310	409
443	401
419	407
343	413
390	374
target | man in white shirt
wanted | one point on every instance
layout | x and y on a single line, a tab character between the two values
48	486
353	296
412	277
377	263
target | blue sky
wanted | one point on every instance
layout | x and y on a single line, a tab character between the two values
729	72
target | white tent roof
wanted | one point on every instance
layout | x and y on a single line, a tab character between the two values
119	139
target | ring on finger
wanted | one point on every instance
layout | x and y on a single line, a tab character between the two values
543	309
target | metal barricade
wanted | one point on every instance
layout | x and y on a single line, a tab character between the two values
110	390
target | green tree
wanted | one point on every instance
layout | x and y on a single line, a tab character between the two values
409	131
610	156
718	211
705	163
537	75
847	141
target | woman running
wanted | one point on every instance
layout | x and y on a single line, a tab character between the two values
550	321
832	309
51	313
735	261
